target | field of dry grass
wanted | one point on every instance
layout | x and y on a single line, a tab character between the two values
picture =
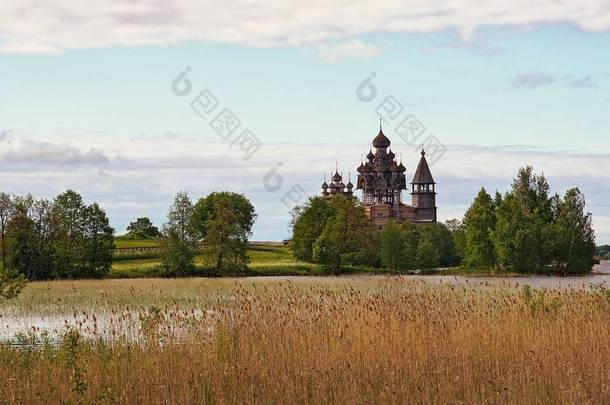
310	340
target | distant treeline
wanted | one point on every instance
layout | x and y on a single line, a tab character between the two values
525	230
603	252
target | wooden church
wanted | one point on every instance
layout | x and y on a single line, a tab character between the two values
382	181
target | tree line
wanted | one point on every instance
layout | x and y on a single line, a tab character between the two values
526	230
59	238
64	238
337	233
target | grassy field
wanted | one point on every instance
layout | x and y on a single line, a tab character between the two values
309	340
127	242
264	260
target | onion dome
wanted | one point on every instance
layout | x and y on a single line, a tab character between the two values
402	168
361	168
336	177
381	141
341	185
391	155
370	156
324	186
349	185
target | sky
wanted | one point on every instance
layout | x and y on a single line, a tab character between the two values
120	101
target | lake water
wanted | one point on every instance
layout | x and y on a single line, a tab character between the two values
128	324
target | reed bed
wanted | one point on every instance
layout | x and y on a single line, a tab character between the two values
385	340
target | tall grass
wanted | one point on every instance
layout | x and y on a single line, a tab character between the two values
385	340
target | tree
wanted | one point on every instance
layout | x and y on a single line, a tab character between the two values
308	222
348	237
516	240
573	236
479	225
178	254
458	233
31	236
225	240
179	218
532	191
11	283
99	242
6	212
442	239
143	228
68	244
206	208
177	257
412	235
428	256
224	220
393	247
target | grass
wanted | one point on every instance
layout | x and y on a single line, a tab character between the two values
265	260
310	340
127	242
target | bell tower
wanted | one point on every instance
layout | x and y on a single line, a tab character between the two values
423	192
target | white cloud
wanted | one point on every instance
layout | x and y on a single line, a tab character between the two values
36	153
142	174
350	49
35	26
540	79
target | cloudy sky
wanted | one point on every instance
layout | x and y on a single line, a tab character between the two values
92	98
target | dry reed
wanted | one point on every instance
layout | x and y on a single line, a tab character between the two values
402	341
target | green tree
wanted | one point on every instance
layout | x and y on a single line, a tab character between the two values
224	220
225	240
143	228
412	235
99	242
308	222
479	225
532	191
573	236
393	247
348	238
177	258
6	212
428	255
516	240
30	238
442	238
206	207
69	241
458	234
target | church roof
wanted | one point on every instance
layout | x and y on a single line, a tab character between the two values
423	174
381	141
